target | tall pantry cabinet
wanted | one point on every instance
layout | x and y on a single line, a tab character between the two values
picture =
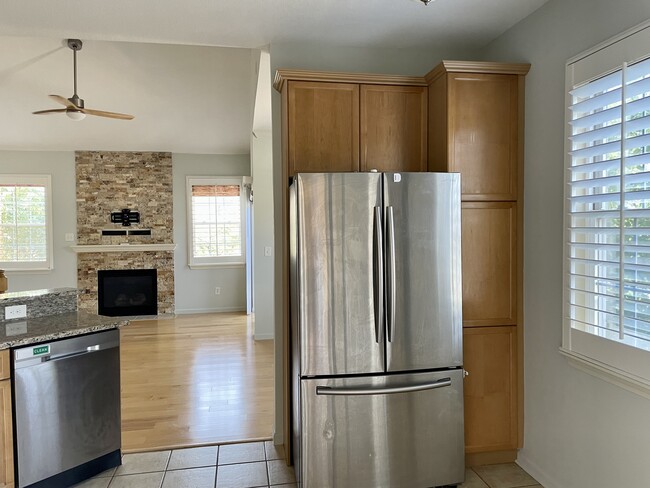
475	127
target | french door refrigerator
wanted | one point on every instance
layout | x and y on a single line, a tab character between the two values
376	331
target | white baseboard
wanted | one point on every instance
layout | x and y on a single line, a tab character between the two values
185	311
263	337
536	472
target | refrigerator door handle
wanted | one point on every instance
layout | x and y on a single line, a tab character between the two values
327	390
378	273
390	272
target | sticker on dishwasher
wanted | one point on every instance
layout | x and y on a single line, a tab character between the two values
40	350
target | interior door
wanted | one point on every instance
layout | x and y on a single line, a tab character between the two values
336	257
423	271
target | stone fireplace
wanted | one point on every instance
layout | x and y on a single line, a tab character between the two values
108	182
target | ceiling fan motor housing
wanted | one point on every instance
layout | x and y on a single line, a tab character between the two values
75	44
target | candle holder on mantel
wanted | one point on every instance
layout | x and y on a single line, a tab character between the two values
4	285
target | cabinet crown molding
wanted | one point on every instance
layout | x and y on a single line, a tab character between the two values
282	75
486	67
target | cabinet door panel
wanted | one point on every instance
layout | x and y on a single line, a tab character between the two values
393	128
324	127
490	389
489	263
6	435
483	134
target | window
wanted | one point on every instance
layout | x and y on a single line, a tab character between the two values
607	220
216	218
25	222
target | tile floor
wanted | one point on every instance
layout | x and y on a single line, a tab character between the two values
498	476
254	464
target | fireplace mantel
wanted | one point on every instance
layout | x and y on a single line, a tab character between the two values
122	247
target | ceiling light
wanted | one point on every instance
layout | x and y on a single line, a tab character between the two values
75	114
426	2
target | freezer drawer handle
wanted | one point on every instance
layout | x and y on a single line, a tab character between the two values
327	390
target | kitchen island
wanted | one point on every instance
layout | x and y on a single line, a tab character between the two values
50	317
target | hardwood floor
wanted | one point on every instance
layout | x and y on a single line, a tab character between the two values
194	380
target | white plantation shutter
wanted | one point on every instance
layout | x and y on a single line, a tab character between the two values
607	270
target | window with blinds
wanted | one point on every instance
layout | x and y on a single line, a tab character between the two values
610	206
607	220
216	233
25	235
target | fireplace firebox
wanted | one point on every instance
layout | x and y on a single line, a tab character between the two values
127	292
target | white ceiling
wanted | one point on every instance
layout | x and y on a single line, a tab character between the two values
189	98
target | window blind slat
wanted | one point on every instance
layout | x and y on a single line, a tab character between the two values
600	101
597	150
610	115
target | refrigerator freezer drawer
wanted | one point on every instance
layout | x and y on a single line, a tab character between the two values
382	431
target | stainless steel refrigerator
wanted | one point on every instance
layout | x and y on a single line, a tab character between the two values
376	331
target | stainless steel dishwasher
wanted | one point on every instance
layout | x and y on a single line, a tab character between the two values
67	409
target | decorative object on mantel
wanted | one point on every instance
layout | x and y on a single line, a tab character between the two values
4	284
126	217
74	106
124	232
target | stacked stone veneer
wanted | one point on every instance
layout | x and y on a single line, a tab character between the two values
108	182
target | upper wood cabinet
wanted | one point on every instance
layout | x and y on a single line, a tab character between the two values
393	128
352	122
476	126
324	127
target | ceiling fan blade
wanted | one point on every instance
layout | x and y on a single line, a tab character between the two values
63	101
51	111
103	113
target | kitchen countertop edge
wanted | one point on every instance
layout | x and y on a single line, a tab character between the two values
54	327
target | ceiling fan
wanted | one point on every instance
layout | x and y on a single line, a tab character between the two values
74	106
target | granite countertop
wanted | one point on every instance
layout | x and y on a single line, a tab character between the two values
21	332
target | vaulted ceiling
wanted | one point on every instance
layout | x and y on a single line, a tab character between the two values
159	60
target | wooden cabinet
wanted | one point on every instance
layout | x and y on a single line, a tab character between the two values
393	128
462	117
6	423
490	388
342	122
324	126
489	250
476	126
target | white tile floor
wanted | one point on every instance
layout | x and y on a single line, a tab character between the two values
248	465
254	464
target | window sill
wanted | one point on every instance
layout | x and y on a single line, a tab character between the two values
216	266
608	373
35	271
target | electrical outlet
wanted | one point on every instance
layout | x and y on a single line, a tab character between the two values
15	312
69	237
217	290
268	250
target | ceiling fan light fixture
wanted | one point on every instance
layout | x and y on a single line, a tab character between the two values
75	115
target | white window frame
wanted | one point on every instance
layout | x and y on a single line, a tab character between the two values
607	358
217	261
38	180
